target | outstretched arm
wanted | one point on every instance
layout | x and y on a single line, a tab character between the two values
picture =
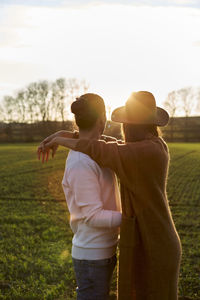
45	152
64	134
110	155
53	144
105	154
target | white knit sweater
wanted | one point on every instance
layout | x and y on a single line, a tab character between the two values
93	201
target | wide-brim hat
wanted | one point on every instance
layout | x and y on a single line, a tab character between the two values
140	108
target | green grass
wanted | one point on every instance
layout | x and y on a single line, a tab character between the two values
184	199
35	238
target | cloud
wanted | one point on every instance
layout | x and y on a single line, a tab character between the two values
126	48
154	3
31	2
9	38
196	44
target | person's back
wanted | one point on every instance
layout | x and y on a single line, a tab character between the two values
93	200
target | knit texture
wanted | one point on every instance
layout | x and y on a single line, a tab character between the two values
93	200
150	248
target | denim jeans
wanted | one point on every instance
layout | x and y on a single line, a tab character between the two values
93	278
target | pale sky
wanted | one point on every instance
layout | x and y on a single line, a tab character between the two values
116	46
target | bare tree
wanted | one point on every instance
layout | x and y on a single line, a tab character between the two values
21	105
75	89
1	113
58	98
197	96
32	101
64	92
9	105
186	96
172	104
43	99
37	96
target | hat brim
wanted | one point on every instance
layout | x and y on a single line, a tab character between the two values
161	119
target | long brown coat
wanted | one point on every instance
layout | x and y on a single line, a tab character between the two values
150	248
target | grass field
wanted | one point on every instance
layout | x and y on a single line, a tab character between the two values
35	238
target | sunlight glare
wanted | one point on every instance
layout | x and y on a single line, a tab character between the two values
143	48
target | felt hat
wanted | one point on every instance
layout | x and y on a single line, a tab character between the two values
140	108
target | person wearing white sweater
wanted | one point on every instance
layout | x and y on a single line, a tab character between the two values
93	201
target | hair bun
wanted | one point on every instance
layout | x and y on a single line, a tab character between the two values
78	106
87	108
88	105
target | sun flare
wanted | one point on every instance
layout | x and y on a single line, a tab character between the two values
110	46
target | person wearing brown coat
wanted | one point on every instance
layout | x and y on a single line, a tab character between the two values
150	248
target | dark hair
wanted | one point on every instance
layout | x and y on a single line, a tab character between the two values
87	109
138	132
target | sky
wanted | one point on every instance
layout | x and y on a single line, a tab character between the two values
117	46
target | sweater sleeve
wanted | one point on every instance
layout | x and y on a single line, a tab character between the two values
109	155
83	179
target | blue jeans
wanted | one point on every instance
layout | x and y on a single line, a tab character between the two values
93	278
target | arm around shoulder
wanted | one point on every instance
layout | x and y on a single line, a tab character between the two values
105	154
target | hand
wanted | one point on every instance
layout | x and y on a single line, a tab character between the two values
51	144
45	154
48	144
61	133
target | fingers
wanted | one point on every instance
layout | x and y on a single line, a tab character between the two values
44	150
39	150
43	157
47	155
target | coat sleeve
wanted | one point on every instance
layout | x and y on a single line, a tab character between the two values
110	155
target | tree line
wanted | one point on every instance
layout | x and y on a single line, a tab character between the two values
42	101
183	102
51	101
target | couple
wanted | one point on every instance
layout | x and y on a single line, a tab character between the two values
150	248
